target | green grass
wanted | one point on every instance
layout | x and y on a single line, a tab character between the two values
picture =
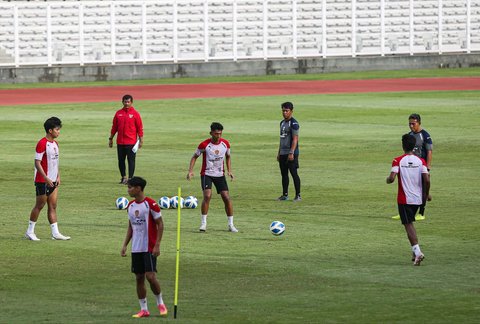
341	260
420	73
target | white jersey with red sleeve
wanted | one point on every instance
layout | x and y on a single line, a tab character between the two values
409	169
142	216
213	157
48	154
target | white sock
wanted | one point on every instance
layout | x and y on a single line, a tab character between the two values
54	228
204	219
416	250
159	299
31	227
230	220
143	304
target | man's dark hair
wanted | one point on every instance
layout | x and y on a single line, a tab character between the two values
408	142
126	97
416	117
216	126
137	182
287	105
51	123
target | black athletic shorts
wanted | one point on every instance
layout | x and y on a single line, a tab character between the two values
407	213
283	160
219	182
42	189
143	262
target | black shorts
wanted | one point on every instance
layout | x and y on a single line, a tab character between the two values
219	182
143	262
283	160
42	189
407	213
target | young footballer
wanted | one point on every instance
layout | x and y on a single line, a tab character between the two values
214	149
145	230
47	180
413	189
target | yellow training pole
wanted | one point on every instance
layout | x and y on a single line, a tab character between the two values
177	263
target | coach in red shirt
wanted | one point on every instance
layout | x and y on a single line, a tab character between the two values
127	123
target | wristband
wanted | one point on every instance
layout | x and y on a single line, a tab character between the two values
291	152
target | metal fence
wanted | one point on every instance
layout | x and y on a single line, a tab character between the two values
112	32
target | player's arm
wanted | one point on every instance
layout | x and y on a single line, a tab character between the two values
426	187
38	166
229	166
293	147
128	237
58	178
192	164
391	177
429	159
159	224
113	131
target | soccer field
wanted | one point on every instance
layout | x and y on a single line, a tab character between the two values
341	259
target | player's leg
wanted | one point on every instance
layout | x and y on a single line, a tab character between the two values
206	183
293	168
131	161
138	268
122	154
283	163
407	215
40	201
227	201
151	275
52	214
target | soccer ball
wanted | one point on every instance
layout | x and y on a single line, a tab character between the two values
191	202
121	203
277	228
174	202
164	202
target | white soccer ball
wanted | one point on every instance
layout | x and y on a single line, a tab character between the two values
121	203
191	202
277	228
164	202
174	202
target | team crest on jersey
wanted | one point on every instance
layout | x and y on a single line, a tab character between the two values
130	115
216	152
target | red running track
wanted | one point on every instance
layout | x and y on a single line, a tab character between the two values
44	96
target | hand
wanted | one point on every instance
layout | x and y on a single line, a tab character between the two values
156	250
110	142
278	157
140	144
230	174
58	181
429	198
189	175
291	157
123	253
49	183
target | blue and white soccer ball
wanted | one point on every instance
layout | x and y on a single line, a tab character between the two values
121	203
174	202
164	202
277	228
191	202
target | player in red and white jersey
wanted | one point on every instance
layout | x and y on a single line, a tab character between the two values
47	179
145	230
215	150
413	190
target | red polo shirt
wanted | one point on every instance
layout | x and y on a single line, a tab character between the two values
128	124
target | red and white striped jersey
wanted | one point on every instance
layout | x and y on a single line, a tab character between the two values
409	169
47	152
213	156
142	217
